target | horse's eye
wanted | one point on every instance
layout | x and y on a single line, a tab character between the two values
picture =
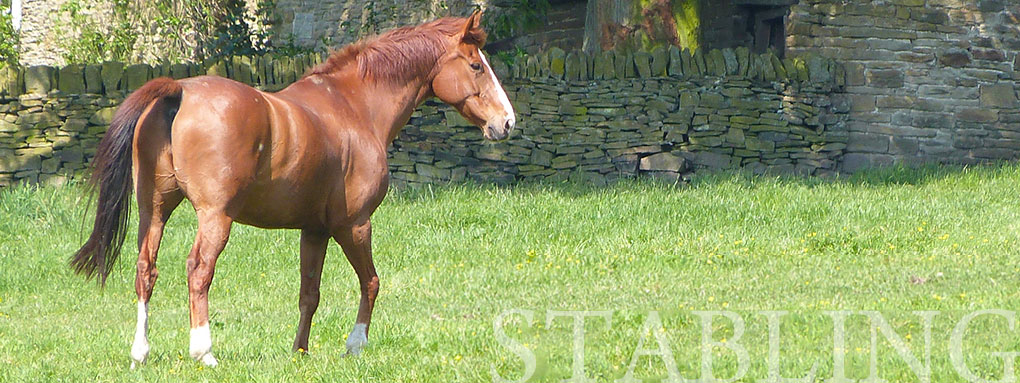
476	66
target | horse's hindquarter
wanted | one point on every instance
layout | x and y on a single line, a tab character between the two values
252	155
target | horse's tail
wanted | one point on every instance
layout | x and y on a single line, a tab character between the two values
111	174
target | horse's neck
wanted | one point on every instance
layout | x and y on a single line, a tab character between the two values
387	107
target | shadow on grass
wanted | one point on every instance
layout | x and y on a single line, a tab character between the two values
876	177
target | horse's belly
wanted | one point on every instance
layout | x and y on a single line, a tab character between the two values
279	209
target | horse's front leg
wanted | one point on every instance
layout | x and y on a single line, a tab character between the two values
357	244
313	250
213	232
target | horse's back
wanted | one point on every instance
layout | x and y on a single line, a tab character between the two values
246	152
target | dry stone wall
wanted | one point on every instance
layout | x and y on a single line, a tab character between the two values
929	80
665	113
662	113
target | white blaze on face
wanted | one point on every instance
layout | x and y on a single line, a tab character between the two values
503	99
140	348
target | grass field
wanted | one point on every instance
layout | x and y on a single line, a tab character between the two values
452	258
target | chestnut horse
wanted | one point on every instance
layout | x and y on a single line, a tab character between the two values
310	157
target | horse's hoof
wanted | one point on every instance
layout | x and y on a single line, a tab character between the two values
139	354
208	360
357	340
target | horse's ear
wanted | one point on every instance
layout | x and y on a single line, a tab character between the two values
473	33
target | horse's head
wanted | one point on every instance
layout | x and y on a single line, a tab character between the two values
466	81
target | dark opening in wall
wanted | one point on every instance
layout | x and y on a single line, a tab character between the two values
767	23
757	24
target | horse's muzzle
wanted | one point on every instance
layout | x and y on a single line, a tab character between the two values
500	129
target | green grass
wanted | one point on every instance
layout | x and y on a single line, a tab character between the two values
452	258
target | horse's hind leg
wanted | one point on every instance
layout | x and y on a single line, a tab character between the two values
313	250
153	215
158	195
357	244
213	232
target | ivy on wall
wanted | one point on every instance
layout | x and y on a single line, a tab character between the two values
85	38
91	31
8	37
687	22
516	18
633	25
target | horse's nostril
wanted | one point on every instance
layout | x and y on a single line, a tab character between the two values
509	125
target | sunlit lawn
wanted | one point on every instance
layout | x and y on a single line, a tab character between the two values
452	258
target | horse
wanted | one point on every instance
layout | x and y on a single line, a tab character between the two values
311	157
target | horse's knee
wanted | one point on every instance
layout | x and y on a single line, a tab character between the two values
309	300
199	283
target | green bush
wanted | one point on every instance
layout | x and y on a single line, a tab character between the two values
517	18
188	30
8	37
85	39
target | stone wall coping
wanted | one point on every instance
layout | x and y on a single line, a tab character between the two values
272	72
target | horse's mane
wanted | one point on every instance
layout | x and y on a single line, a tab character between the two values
401	54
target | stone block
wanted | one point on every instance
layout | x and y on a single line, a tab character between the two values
584	66
675	63
818	70
178	71
885	78
8	127
988	54
768	72
102	117
777	65
244	71
572	67
39	79
1002	95
660	61
93	79
954	57
977	115
431	172
219	68
687	63
642	63
112	73
136	75
662	162
730	61
12	78
71	79
734	136
716	63
743	61
621	62
759	145
630	69
541	157
868	143
557	62
74	125
708	159
4	84
699	62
